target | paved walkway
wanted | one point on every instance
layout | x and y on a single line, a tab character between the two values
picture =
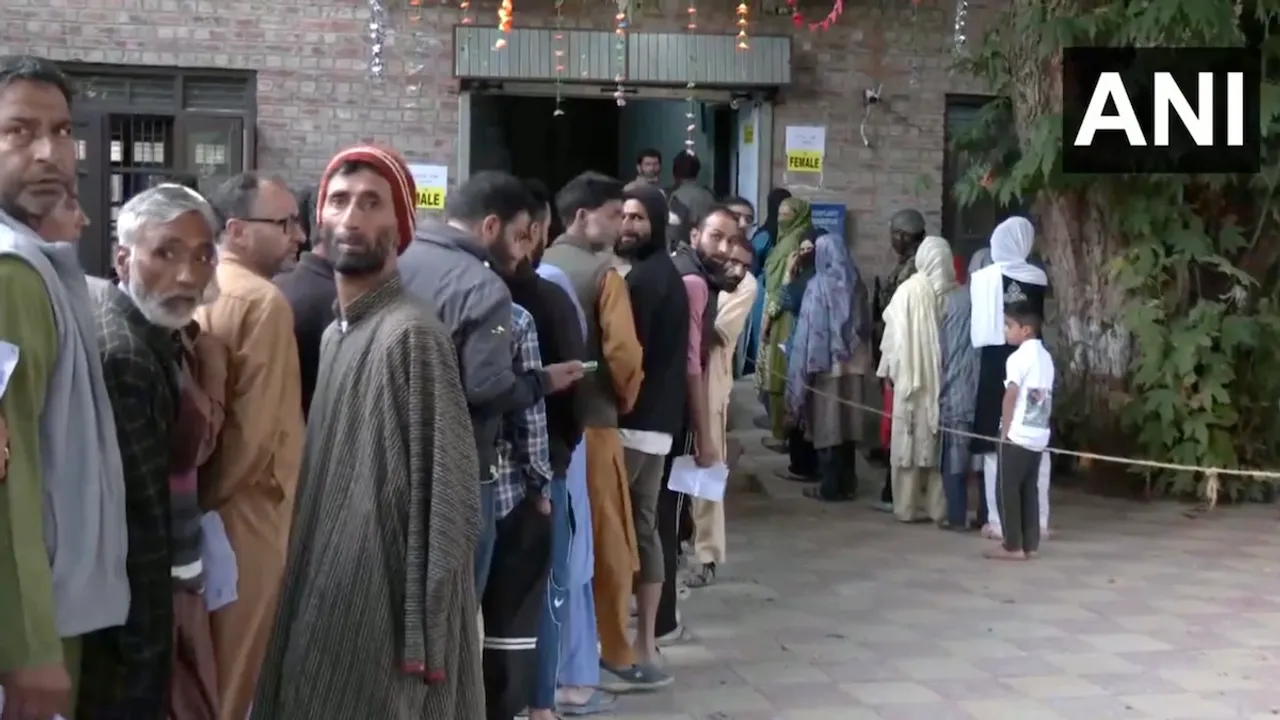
840	613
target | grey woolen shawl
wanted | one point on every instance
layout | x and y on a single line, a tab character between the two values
84	508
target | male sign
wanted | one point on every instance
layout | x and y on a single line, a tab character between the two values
1161	110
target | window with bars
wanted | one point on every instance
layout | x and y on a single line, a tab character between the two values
137	127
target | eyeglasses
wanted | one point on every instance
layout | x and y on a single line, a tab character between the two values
285	224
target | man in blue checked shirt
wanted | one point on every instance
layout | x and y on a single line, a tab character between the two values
516	592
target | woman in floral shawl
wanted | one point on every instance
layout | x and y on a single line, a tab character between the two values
830	353
794	218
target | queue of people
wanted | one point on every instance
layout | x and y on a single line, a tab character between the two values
420	470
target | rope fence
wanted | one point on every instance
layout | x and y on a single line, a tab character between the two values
1213	483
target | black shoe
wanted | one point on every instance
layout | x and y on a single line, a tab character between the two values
816	494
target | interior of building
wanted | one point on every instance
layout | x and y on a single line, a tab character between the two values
523	135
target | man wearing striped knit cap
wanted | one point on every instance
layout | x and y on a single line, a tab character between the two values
377	613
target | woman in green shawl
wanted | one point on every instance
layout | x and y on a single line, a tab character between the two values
794	219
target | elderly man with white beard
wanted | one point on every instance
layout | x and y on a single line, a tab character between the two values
165	260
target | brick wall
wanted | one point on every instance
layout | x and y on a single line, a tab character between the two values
315	96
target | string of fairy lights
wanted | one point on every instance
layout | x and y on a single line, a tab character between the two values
379	34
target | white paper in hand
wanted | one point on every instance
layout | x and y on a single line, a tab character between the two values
705	483
8	362
221	573
55	717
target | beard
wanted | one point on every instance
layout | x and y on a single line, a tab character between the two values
715	268
357	254
632	246
171	312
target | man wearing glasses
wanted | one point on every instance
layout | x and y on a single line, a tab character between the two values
251	478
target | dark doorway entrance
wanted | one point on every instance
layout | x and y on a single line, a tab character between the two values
536	143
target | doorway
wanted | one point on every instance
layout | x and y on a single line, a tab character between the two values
523	135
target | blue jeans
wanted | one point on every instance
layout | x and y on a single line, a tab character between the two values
956	488
553	613
488	536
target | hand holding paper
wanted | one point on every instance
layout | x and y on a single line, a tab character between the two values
705	483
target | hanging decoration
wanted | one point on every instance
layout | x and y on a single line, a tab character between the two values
914	78
620	50
505	9
557	57
799	21
692	106
377	38
464	6
962	20
741	12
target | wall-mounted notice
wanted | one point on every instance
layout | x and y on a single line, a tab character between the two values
806	147
829	217
433	184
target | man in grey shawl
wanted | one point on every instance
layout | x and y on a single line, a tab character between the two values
377	614
62	505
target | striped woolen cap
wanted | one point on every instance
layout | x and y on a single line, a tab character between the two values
389	165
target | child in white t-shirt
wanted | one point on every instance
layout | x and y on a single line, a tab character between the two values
1024	430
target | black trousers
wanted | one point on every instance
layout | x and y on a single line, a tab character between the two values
512	605
672	507
804	459
1018	497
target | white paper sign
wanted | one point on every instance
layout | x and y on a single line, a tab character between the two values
706	483
433	185
807	138
8	363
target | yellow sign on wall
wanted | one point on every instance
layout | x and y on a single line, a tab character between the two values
432	183
804	161
431	198
748	133
806	148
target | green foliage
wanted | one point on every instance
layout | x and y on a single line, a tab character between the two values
1197	253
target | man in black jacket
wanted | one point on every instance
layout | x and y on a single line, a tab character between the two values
660	304
560	340
308	287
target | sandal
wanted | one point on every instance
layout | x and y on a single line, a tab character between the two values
703	576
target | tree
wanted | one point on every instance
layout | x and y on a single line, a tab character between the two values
1168	301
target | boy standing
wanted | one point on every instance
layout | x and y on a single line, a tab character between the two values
1024	429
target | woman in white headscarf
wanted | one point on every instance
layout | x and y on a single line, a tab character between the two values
1009	272
911	359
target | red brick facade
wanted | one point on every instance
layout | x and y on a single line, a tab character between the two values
314	95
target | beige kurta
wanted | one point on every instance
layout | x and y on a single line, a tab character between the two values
732	310
252	478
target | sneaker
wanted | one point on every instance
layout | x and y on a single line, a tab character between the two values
640	677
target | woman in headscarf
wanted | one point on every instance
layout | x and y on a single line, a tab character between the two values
829	354
761	245
794	220
1011	244
803	466
911	359
955	401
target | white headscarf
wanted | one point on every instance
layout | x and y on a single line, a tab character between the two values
1011	244
911	356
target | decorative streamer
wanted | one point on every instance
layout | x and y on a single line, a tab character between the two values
620	49
504	23
914	80
799	21
741	12
557	56
691	111
377	38
962	20
464	6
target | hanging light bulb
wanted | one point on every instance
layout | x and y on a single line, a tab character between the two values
620	50
962	20
504	23
741	40
558	57
464	7
690	113
377	38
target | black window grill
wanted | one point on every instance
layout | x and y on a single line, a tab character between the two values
215	93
